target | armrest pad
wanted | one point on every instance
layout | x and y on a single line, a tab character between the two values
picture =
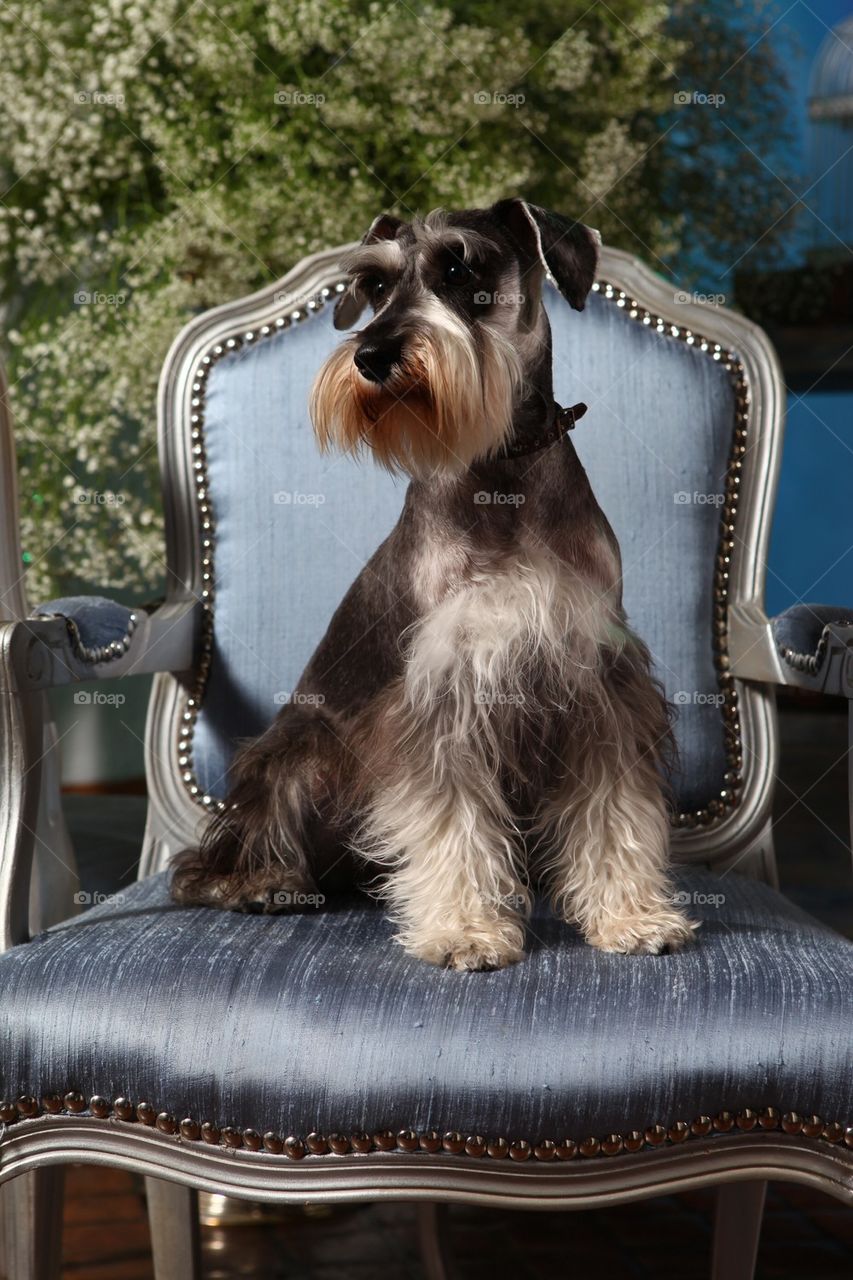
809	646
801	633
89	638
100	630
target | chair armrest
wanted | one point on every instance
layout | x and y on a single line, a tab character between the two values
81	638
92	638
809	646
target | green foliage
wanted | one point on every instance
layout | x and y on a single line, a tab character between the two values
164	157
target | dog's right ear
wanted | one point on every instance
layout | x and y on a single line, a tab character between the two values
350	304
568	250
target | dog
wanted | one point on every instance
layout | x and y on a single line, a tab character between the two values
479	719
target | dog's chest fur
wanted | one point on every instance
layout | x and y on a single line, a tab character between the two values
507	628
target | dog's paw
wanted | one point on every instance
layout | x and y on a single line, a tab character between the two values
236	893
656	932
278	900
468	956
479	948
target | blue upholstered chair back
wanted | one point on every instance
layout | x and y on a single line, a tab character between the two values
292	528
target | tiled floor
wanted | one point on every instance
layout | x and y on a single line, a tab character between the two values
805	1236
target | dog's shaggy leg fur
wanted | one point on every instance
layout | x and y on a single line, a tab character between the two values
605	824
440	825
252	856
452	887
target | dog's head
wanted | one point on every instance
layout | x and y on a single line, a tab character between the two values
432	381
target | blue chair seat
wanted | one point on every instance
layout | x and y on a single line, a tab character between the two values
319	1022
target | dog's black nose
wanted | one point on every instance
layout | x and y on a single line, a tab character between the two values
375	362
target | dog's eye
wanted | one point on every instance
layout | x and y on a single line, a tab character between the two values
457	273
374	287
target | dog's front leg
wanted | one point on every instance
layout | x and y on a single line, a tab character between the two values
439	823
606	828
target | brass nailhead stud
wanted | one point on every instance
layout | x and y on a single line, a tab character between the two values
791	1122
167	1123
430	1141
407	1140
813	1126
338	1143
747	1120
145	1113
701	1126
545	1150
475	1145
612	1144
27	1105
99	1107
8	1112
769	1118
210	1133
833	1132
519	1150
123	1109
232	1137
655	1135
273	1143
453	1142
633	1140
724	1121
294	1148
317	1144
361	1141
497	1148
679	1131
385	1140
567	1149
848	1137
252	1140
590	1147
74	1101
190	1129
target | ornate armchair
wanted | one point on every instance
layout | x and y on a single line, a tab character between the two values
308	1057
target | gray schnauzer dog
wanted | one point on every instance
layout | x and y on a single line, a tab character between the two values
478	719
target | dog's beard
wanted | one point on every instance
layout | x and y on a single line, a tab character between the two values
449	402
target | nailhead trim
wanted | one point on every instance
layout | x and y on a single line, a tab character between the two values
729	795
101	653
431	1142
207	523
810	662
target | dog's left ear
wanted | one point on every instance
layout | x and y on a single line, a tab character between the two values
569	250
349	305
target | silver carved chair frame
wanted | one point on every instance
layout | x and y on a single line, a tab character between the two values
178	1158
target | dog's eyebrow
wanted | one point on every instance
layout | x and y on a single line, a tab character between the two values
435	232
386	255
472	243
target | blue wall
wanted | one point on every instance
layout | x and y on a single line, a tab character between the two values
811	548
810	554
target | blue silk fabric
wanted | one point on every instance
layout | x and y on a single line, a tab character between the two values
293	529
320	1021
801	627
96	621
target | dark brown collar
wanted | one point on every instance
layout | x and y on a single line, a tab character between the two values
561	422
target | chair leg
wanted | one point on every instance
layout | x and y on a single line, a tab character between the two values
432	1224
32	1224
737	1227
175	1235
